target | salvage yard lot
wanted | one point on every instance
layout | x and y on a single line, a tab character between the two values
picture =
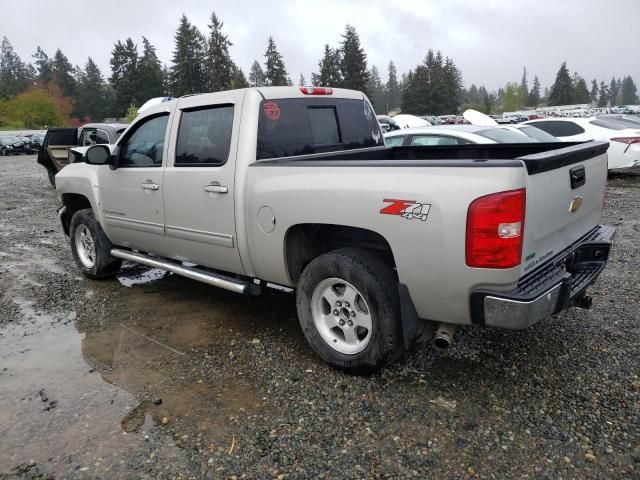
155	376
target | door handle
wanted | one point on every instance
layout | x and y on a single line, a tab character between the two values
215	188
149	186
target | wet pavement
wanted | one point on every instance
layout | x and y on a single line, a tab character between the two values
151	375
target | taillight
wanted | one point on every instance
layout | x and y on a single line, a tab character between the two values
627	140
495	229
316	90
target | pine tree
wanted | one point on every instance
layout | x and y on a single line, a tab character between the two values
220	68
393	91
124	76
603	95
329	69
376	90
166	81
629	91
301	81
580	91
189	55
91	93
42	61
15	76
63	73
256	75
353	62
149	74
562	88
593	95
534	94
275	72
524	85
238	79
613	92
472	96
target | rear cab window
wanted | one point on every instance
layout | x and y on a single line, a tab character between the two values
301	126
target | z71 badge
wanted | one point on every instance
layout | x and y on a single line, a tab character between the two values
409	209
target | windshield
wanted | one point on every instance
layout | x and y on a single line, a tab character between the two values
502	135
301	126
538	134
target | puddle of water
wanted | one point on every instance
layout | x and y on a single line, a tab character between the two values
83	391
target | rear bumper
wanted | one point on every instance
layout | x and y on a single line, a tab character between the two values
555	285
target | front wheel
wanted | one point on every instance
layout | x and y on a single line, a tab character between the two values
348	308
90	246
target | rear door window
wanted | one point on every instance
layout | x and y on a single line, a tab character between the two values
394	141
204	136
301	126
559	129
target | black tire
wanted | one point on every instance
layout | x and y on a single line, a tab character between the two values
104	265
52	178
378	285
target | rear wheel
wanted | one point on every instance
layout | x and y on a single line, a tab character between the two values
90	246
349	310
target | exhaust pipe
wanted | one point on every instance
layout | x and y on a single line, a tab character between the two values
444	335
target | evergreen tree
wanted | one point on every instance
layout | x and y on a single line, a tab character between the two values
256	75
562	88
473	95
433	87
63	73
91	93
220	68
301	81
189	55
329	74
166	81
124	76
393	94
629	91
149	74
353	62
44	71
593	94
238	79
524	84
15	76
603	95
275	72
580	91
613	92
376	90
534	94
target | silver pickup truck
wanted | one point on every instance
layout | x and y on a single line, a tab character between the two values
383	246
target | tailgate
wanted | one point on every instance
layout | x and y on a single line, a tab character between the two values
565	191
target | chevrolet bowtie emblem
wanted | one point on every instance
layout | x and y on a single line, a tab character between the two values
576	203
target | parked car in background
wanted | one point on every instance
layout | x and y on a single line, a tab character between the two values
455	135
37	140
54	154
621	132
12	145
387	123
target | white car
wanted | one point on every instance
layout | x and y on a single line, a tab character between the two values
621	131
457	135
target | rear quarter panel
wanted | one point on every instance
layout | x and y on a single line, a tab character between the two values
429	255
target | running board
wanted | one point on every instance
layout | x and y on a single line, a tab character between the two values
200	275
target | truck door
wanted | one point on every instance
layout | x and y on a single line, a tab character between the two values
54	153
131	195
199	185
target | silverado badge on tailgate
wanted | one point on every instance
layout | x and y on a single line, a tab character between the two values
409	209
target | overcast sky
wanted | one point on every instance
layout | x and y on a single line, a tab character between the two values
489	40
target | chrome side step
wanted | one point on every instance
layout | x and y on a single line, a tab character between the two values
200	275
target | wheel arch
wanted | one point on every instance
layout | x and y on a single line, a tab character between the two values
72	202
305	241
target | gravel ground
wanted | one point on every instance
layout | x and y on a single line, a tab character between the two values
154	376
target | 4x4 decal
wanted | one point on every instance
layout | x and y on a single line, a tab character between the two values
409	209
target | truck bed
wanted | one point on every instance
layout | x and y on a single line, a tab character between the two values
537	157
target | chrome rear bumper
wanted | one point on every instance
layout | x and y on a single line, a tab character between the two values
557	284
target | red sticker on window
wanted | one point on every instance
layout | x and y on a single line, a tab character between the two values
271	110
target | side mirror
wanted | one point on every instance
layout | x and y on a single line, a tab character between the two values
98	155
